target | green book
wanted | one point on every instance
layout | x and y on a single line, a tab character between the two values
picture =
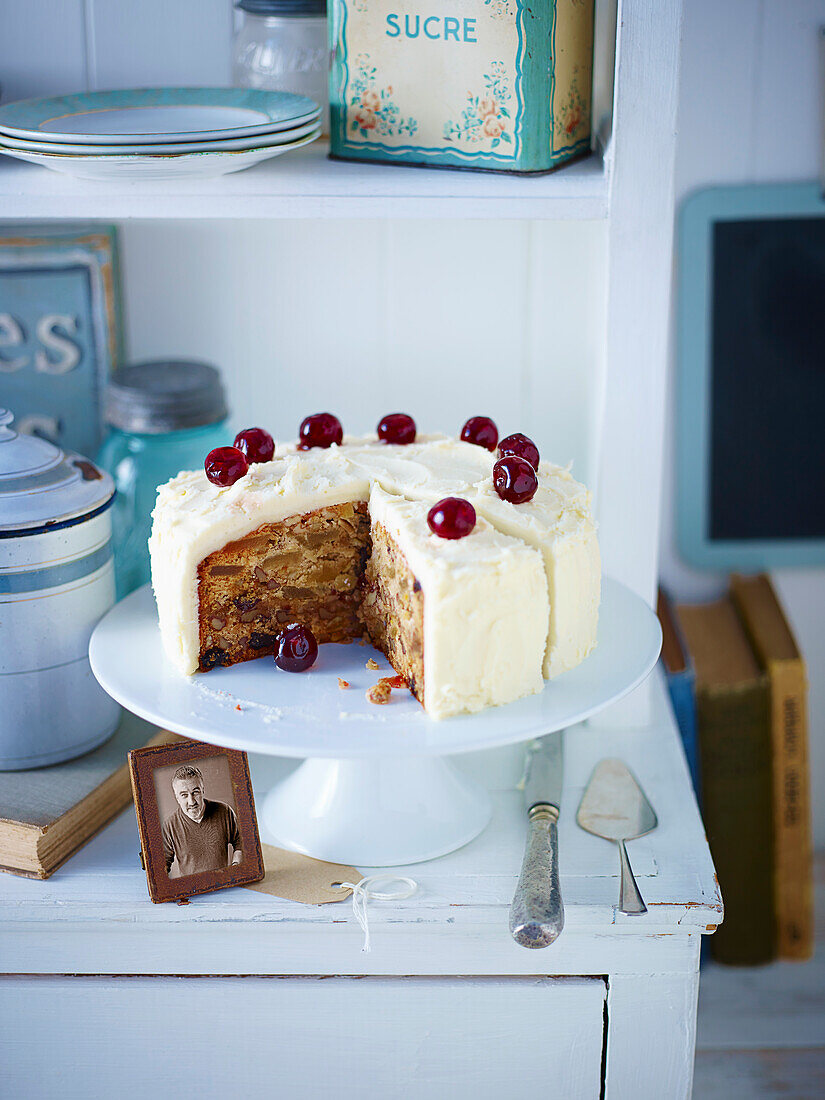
46	814
733	713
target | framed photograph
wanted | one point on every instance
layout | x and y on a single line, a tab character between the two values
196	819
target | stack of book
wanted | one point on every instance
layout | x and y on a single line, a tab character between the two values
739	691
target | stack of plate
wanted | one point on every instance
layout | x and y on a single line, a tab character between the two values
154	133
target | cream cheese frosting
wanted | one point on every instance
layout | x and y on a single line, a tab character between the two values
485	608
193	518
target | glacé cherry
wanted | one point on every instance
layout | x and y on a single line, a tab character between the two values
521	445
319	430
257	444
482	431
396	428
514	479
225	465
296	648
451	518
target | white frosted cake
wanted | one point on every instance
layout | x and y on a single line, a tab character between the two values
322	536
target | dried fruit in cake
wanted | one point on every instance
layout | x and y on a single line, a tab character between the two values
296	649
396	428
482	431
225	465
257	444
520	445
514	479
319	430
452	518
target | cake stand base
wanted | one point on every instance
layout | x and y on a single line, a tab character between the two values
375	813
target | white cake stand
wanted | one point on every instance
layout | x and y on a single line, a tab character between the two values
374	789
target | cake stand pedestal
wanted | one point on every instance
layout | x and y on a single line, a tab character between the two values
374	789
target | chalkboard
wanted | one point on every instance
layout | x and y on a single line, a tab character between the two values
751	404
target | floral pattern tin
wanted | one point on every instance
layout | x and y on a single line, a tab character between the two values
485	84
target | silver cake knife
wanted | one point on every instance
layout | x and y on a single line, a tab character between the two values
537	912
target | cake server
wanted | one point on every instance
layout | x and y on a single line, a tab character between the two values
614	807
537	913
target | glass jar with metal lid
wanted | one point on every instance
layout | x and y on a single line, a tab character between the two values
282	44
56	581
165	416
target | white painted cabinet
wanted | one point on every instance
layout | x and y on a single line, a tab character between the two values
445	995
309	1038
446	294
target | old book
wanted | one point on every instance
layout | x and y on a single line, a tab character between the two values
681	683
46	814
777	652
734	724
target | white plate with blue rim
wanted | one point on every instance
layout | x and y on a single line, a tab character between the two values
154	115
258	141
158	167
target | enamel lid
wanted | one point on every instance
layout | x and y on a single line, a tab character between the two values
41	485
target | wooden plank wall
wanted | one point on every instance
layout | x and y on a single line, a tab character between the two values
443	319
49	47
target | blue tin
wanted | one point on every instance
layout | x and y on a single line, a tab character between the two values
60	329
502	85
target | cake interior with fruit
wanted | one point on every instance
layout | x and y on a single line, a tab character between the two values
404	542
392	609
306	569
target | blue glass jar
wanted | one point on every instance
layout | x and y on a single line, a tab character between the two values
164	417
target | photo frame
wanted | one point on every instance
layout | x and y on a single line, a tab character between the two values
195	808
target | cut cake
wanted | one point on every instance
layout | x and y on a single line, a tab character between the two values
337	539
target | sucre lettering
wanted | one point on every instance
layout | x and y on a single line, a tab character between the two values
432	27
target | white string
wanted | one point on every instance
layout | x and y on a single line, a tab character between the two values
364	892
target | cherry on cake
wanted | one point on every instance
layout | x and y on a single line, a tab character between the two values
474	599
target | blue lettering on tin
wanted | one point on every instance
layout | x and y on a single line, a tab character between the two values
450	29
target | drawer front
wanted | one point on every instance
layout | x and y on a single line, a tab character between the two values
302	1038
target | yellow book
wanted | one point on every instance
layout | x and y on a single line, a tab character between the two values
778	654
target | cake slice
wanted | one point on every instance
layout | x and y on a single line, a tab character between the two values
558	522
464	621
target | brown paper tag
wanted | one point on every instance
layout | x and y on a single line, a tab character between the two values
300	878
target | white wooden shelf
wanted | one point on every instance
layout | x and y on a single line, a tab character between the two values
306	184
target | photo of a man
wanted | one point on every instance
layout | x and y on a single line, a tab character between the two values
201	834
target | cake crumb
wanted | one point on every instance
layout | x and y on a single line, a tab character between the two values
373	664
238	706
379	693
393	681
343	684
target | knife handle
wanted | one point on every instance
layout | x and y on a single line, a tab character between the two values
537	913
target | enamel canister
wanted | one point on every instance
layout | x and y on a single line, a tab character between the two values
487	84
56	581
